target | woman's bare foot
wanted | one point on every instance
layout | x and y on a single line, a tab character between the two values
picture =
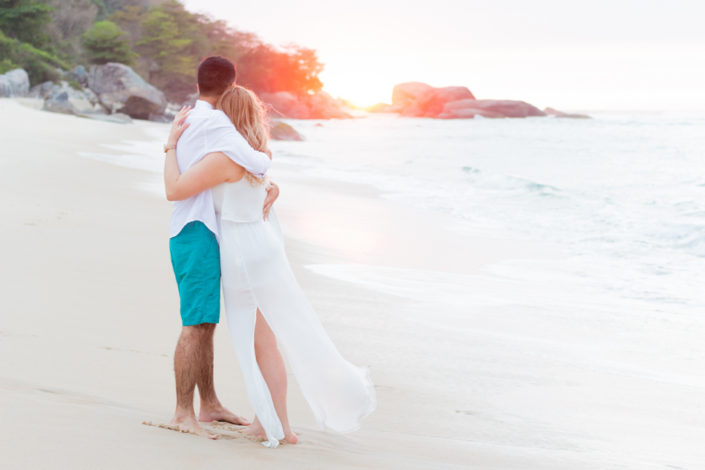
220	413
255	430
188	424
291	437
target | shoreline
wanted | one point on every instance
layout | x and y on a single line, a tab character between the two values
468	370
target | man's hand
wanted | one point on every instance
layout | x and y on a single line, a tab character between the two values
272	195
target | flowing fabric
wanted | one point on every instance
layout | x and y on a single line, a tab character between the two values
256	274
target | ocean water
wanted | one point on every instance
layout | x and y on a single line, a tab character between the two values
596	350
622	195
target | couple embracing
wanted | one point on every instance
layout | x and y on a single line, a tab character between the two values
223	229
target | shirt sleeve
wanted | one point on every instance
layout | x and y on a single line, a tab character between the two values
223	137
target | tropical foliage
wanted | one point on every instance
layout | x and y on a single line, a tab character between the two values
162	40
106	42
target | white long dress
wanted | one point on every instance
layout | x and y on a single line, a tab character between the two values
256	274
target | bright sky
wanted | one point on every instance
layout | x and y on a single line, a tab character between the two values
597	54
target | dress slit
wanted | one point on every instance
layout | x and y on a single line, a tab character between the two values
256	275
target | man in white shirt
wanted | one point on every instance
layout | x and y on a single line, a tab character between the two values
194	247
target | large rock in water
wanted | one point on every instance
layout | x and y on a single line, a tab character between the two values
410	95
14	83
282	131
121	90
316	106
416	99
321	105
283	103
489	108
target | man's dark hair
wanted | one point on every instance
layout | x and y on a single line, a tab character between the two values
215	75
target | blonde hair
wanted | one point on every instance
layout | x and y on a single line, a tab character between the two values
246	112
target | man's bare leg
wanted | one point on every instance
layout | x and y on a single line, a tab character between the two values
211	408
271	364
186	366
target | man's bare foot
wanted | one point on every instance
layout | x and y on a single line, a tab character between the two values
220	413
189	425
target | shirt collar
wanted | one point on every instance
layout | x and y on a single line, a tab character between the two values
202	104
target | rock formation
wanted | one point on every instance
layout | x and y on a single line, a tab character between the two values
319	105
14	83
121	90
282	131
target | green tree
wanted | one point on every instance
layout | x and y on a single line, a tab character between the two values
171	44
69	20
25	20
40	65
106	42
130	19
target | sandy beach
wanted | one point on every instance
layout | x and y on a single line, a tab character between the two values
89	319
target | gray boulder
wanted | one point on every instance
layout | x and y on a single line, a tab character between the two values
121	90
62	98
59	103
14	83
41	91
283	131
80	74
489	108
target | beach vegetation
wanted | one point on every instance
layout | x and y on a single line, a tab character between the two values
160	39
106	42
40	65
25	20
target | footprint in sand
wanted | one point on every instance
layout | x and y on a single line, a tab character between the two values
213	427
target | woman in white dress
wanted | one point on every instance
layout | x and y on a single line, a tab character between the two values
263	301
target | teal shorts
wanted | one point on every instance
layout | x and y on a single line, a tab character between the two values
195	257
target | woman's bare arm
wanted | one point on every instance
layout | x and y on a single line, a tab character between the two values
213	169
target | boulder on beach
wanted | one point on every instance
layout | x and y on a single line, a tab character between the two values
282	131
121	90
489	108
14	83
63	98
79	74
416	99
561	114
